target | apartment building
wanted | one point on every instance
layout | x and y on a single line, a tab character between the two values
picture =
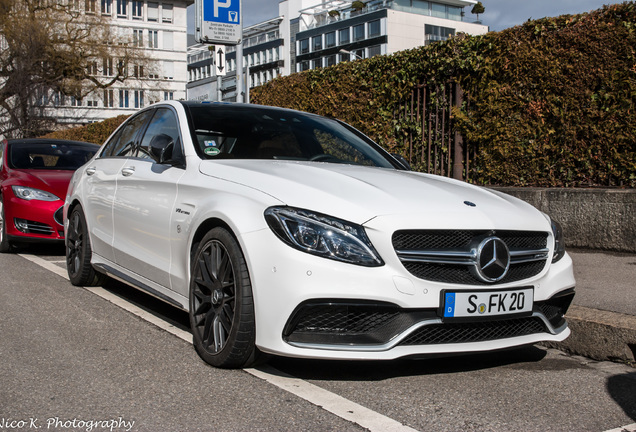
158	27
310	34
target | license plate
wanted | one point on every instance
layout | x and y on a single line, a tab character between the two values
463	304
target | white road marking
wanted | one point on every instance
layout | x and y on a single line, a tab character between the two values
335	404
331	402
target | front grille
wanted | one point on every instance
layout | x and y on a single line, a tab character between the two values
449	256
32	227
475	331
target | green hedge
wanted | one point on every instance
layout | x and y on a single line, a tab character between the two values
551	102
94	132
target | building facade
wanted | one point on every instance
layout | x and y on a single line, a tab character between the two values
312	34
159	28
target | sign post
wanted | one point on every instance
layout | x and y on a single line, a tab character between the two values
220	22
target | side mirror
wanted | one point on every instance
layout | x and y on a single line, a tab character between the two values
402	161
161	148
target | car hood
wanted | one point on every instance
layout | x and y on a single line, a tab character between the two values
53	181
360	194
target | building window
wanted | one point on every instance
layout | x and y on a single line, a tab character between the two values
153	39
438	10
109	101
168	43
303	46
358	32
331	60
303	66
139	98
123	99
91	68
108	67
345	57
330	39
436	33
344	36
107	7
137	10
374	28
168	95
91	6
122	8
168	70
375	50
153	12
316	43
316	64
166	13
138	38
138	71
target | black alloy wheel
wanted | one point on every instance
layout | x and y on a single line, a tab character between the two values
78	252
221	303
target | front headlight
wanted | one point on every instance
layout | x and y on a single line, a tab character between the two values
323	235
559	242
27	193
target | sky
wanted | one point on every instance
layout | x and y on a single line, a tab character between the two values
500	14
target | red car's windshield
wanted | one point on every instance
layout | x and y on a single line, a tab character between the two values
51	156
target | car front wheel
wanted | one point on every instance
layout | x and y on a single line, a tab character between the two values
78	252
221	303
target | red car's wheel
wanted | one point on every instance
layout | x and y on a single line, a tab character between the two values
5	245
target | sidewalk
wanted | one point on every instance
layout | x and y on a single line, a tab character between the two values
603	315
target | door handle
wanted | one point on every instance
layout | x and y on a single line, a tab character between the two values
128	171
90	171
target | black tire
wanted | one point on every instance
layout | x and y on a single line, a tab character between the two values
5	245
221	303
78	252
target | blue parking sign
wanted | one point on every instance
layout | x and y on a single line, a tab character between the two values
222	11
218	21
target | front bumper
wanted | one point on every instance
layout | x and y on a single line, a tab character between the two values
33	220
308	306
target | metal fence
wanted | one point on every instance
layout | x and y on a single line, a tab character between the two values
428	132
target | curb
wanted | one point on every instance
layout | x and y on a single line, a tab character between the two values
599	335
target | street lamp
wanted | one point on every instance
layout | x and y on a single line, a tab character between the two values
344	51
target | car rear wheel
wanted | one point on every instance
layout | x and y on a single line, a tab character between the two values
221	303
5	245
78	252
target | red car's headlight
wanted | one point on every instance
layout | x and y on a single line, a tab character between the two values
27	193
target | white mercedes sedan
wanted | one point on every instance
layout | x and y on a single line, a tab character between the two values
287	233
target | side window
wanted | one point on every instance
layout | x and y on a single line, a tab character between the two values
162	126
122	144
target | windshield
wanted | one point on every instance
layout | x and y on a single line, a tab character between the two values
225	131
50	156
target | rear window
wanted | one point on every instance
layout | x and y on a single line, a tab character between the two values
50	156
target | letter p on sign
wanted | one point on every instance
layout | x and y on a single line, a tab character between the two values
221	4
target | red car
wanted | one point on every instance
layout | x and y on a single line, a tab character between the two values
34	176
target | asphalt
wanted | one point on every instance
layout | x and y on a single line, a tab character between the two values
602	316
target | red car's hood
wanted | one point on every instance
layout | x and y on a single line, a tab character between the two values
53	181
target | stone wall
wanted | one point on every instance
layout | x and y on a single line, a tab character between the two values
602	219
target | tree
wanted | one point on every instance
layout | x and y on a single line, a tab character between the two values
52	49
478	9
